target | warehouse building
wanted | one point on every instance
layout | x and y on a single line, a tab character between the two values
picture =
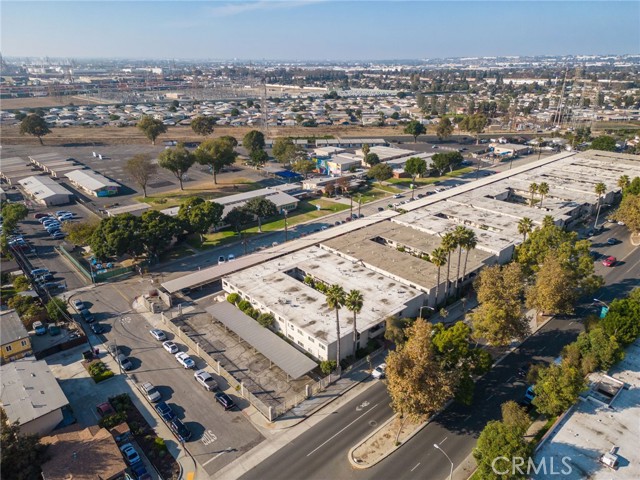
93	183
45	191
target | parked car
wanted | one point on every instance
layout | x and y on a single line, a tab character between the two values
58	235
225	400
170	347
609	261
124	362
185	360
151	392
65	217
97	328
348	219
165	411
231	257
63	212
130	454
105	409
87	315
397	195
378	372
78	305
180	429
222	259
38	271
612	241
38	216
529	395
205	379
381	209
158	334
47	277
39	328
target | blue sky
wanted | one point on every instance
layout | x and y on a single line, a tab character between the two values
317	29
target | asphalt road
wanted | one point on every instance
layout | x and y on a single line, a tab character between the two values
321	452
219	436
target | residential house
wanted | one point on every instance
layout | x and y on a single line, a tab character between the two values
14	338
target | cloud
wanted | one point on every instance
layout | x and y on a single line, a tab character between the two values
236	8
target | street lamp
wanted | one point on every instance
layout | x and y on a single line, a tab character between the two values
437	447
426	306
359	203
600	301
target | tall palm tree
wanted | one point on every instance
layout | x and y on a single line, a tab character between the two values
543	189
353	302
624	182
469	242
525	227
533	189
438	258
600	190
460	232
449	244
335	297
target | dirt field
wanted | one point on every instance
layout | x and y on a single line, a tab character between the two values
131	135
41	102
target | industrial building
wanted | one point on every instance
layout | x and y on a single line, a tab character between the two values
45	191
93	183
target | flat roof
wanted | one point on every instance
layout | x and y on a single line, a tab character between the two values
42	187
11	327
46	159
271	287
288	358
90	180
591	429
29	390
136	207
361	245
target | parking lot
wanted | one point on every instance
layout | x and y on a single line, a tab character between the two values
218	436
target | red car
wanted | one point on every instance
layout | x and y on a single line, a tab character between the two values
609	261
41	215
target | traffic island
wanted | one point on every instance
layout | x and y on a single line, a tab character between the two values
383	442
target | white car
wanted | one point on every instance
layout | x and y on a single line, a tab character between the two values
152	394
158	334
397	195
205	379
185	360
170	347
78	305
378	372
231	257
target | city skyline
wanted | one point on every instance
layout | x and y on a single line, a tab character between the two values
318	30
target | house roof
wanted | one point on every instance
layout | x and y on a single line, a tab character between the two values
87	454
29	390
11	327
42	187
90	180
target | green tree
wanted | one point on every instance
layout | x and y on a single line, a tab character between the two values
555	290
199	215
474	124
440	163
258	158
557	389
543	190
34	125
116	236
354	301
417	383
372	159
603	142
335	298
525	226
444	128
216	154
515	416
203	125
415	167
600	189
622	320
141	169
380	172
439	258
497	445
177	160
22	455
395	329
415	129
365	150
449	245
266	320
12	214
468	241
21	283
151	127
253	140
238	217
158	231
57	310
533	189
303	166
629	212
261	208
593	350
80	233
624	182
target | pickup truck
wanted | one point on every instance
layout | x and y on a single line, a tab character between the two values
205	379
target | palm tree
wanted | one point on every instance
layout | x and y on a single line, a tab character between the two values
438	258
469	242
460	232
624	182
449	244
533	189
600	190
353	302
543	189
525	227
335	297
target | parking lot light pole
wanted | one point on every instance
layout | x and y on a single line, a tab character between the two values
437	447
427	307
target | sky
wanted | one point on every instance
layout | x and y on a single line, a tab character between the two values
316	29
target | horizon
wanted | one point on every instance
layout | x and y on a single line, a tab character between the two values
318	30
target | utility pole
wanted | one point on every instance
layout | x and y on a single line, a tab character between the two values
286	231
359	203
351	205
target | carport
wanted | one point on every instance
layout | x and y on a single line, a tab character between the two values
289	359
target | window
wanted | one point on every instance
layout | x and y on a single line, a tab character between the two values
310	339
8	348
299	332
300	343
24	343
290	336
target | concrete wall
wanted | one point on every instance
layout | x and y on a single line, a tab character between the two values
42	425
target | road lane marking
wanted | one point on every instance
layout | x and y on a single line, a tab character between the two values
445	439
338	433
213	458
208	437
362	405
415	467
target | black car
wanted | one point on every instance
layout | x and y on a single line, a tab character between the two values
225	400
180	429
381	209
165	411
87	315
97	328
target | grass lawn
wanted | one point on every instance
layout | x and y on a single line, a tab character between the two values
388	188
176	197
307	210
212	240
431	180
370	195
462	171
6	293
177	252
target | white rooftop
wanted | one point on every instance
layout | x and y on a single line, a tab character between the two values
90	180
42	187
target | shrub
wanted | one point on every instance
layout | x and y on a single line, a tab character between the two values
249	311
233	298
244	305
266	320
121	403
159	444
100	372
21	283
308	280
327	366
111	421
254	313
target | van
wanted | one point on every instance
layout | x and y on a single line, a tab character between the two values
39	328
38	272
